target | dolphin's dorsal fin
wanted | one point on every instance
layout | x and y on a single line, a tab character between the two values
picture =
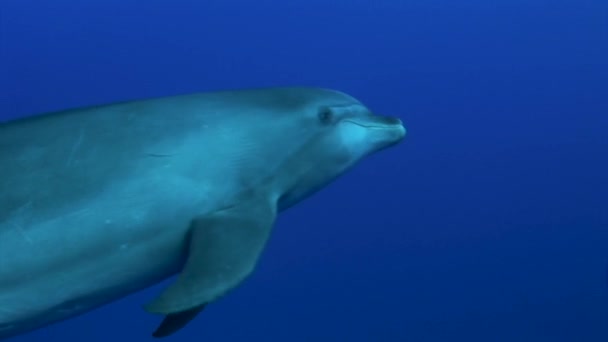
223	251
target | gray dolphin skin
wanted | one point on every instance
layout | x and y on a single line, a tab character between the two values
98	203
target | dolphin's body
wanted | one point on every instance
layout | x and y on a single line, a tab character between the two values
100	202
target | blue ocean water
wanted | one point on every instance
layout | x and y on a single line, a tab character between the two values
488	223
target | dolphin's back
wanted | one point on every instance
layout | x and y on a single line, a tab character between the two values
63	156
55	158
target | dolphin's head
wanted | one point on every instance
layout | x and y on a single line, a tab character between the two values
334	132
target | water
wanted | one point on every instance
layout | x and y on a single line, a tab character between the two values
488	223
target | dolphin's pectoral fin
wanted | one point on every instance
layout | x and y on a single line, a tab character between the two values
224	249
175	321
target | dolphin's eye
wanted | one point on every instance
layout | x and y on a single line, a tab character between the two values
326	116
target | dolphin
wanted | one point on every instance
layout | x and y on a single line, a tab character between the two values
99	202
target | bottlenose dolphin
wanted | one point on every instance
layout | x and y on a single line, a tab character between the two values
100	202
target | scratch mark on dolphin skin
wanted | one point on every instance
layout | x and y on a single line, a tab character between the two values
23	234
159	155
24	207
75	147
18	217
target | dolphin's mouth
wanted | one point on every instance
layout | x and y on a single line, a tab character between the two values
377	122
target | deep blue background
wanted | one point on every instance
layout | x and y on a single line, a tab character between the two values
488	223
